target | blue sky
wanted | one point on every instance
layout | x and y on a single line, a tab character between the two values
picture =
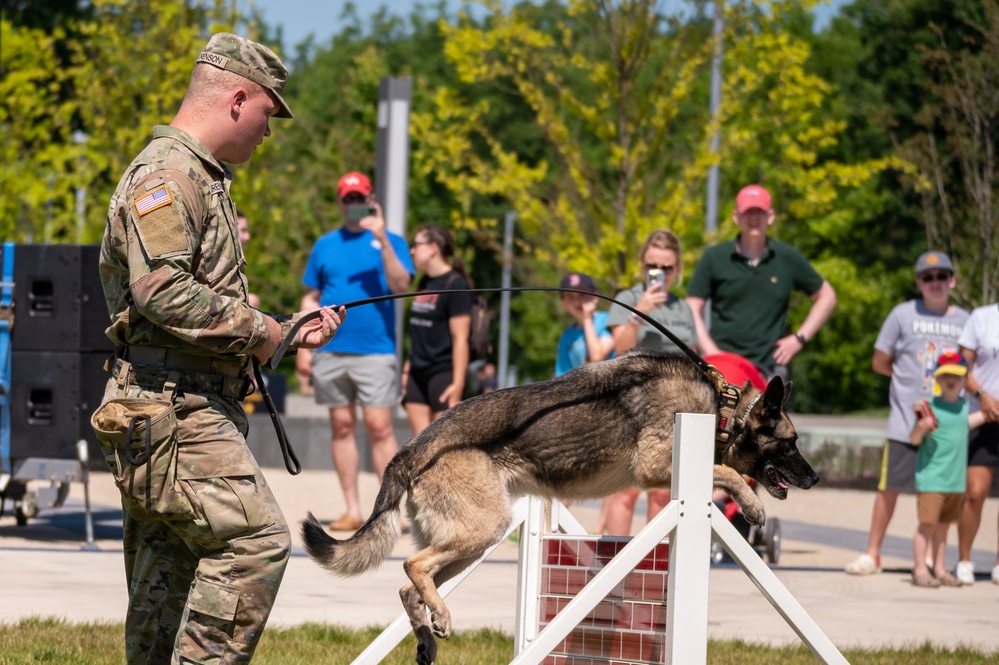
321	17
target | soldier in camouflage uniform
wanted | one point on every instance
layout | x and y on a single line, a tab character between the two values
205	542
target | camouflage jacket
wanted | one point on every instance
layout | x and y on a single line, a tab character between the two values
171	263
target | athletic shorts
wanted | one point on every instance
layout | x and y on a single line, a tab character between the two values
938	507
427	389
983	446
898	467
341	379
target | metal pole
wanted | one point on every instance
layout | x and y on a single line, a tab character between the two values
503	377
81	138
392	164
711	206
84	456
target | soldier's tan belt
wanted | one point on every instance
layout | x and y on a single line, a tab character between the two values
156	377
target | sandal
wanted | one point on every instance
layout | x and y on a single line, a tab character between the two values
947	579
925	580
346	523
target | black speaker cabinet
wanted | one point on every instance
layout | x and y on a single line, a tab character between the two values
53	395
58	300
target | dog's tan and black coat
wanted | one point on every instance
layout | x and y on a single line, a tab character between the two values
596	430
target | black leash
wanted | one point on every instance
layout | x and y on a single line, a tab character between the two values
290	459
729	394
708	370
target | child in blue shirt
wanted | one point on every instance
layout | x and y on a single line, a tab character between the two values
587	339
941	470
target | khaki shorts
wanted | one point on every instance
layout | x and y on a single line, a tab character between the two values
341	379
938	507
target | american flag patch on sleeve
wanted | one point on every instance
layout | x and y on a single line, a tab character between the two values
157	198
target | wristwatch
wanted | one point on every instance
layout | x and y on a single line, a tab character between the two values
800	338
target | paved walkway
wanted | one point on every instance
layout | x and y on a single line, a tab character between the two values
46	573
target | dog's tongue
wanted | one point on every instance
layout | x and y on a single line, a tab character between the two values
778	478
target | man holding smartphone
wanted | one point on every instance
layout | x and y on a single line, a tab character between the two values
361	259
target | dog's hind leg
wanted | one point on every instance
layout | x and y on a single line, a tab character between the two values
426	645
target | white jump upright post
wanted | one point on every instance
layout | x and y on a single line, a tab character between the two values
690	544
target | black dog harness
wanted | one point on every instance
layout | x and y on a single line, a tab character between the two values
728	394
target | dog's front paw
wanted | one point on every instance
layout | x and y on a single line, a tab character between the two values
441	624
754	512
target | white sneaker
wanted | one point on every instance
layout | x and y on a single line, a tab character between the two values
965	571
864	565
995	575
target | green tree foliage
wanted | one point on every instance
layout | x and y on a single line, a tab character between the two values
955	148
618	92
38	161
588	118
103	79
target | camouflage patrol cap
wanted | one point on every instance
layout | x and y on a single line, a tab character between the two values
251	60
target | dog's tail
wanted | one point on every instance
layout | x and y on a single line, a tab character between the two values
373	542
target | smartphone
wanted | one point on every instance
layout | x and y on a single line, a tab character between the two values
656	276
356	213
923	409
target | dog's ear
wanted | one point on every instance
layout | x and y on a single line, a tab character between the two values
774	397
787	391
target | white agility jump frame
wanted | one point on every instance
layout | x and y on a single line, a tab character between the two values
688	520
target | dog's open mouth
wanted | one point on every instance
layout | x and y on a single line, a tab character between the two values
778	483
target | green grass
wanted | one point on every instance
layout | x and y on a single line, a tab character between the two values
53	641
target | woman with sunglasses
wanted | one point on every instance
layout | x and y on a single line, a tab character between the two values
662	266
434	375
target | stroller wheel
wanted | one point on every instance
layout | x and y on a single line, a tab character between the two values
771	538
717	552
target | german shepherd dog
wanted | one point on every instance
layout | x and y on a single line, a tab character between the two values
599	429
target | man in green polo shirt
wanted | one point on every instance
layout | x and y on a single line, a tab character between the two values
749	281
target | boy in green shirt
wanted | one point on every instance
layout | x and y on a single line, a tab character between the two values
941	469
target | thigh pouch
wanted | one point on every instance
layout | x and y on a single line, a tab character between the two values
139	441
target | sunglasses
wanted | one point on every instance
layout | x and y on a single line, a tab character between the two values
927	278
667	269
354	198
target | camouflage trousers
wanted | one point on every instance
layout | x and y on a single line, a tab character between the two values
203	566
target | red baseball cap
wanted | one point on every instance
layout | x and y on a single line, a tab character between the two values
752	196
352	183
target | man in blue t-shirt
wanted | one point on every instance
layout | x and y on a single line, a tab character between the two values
359	260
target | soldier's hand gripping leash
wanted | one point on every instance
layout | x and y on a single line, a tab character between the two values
728	393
